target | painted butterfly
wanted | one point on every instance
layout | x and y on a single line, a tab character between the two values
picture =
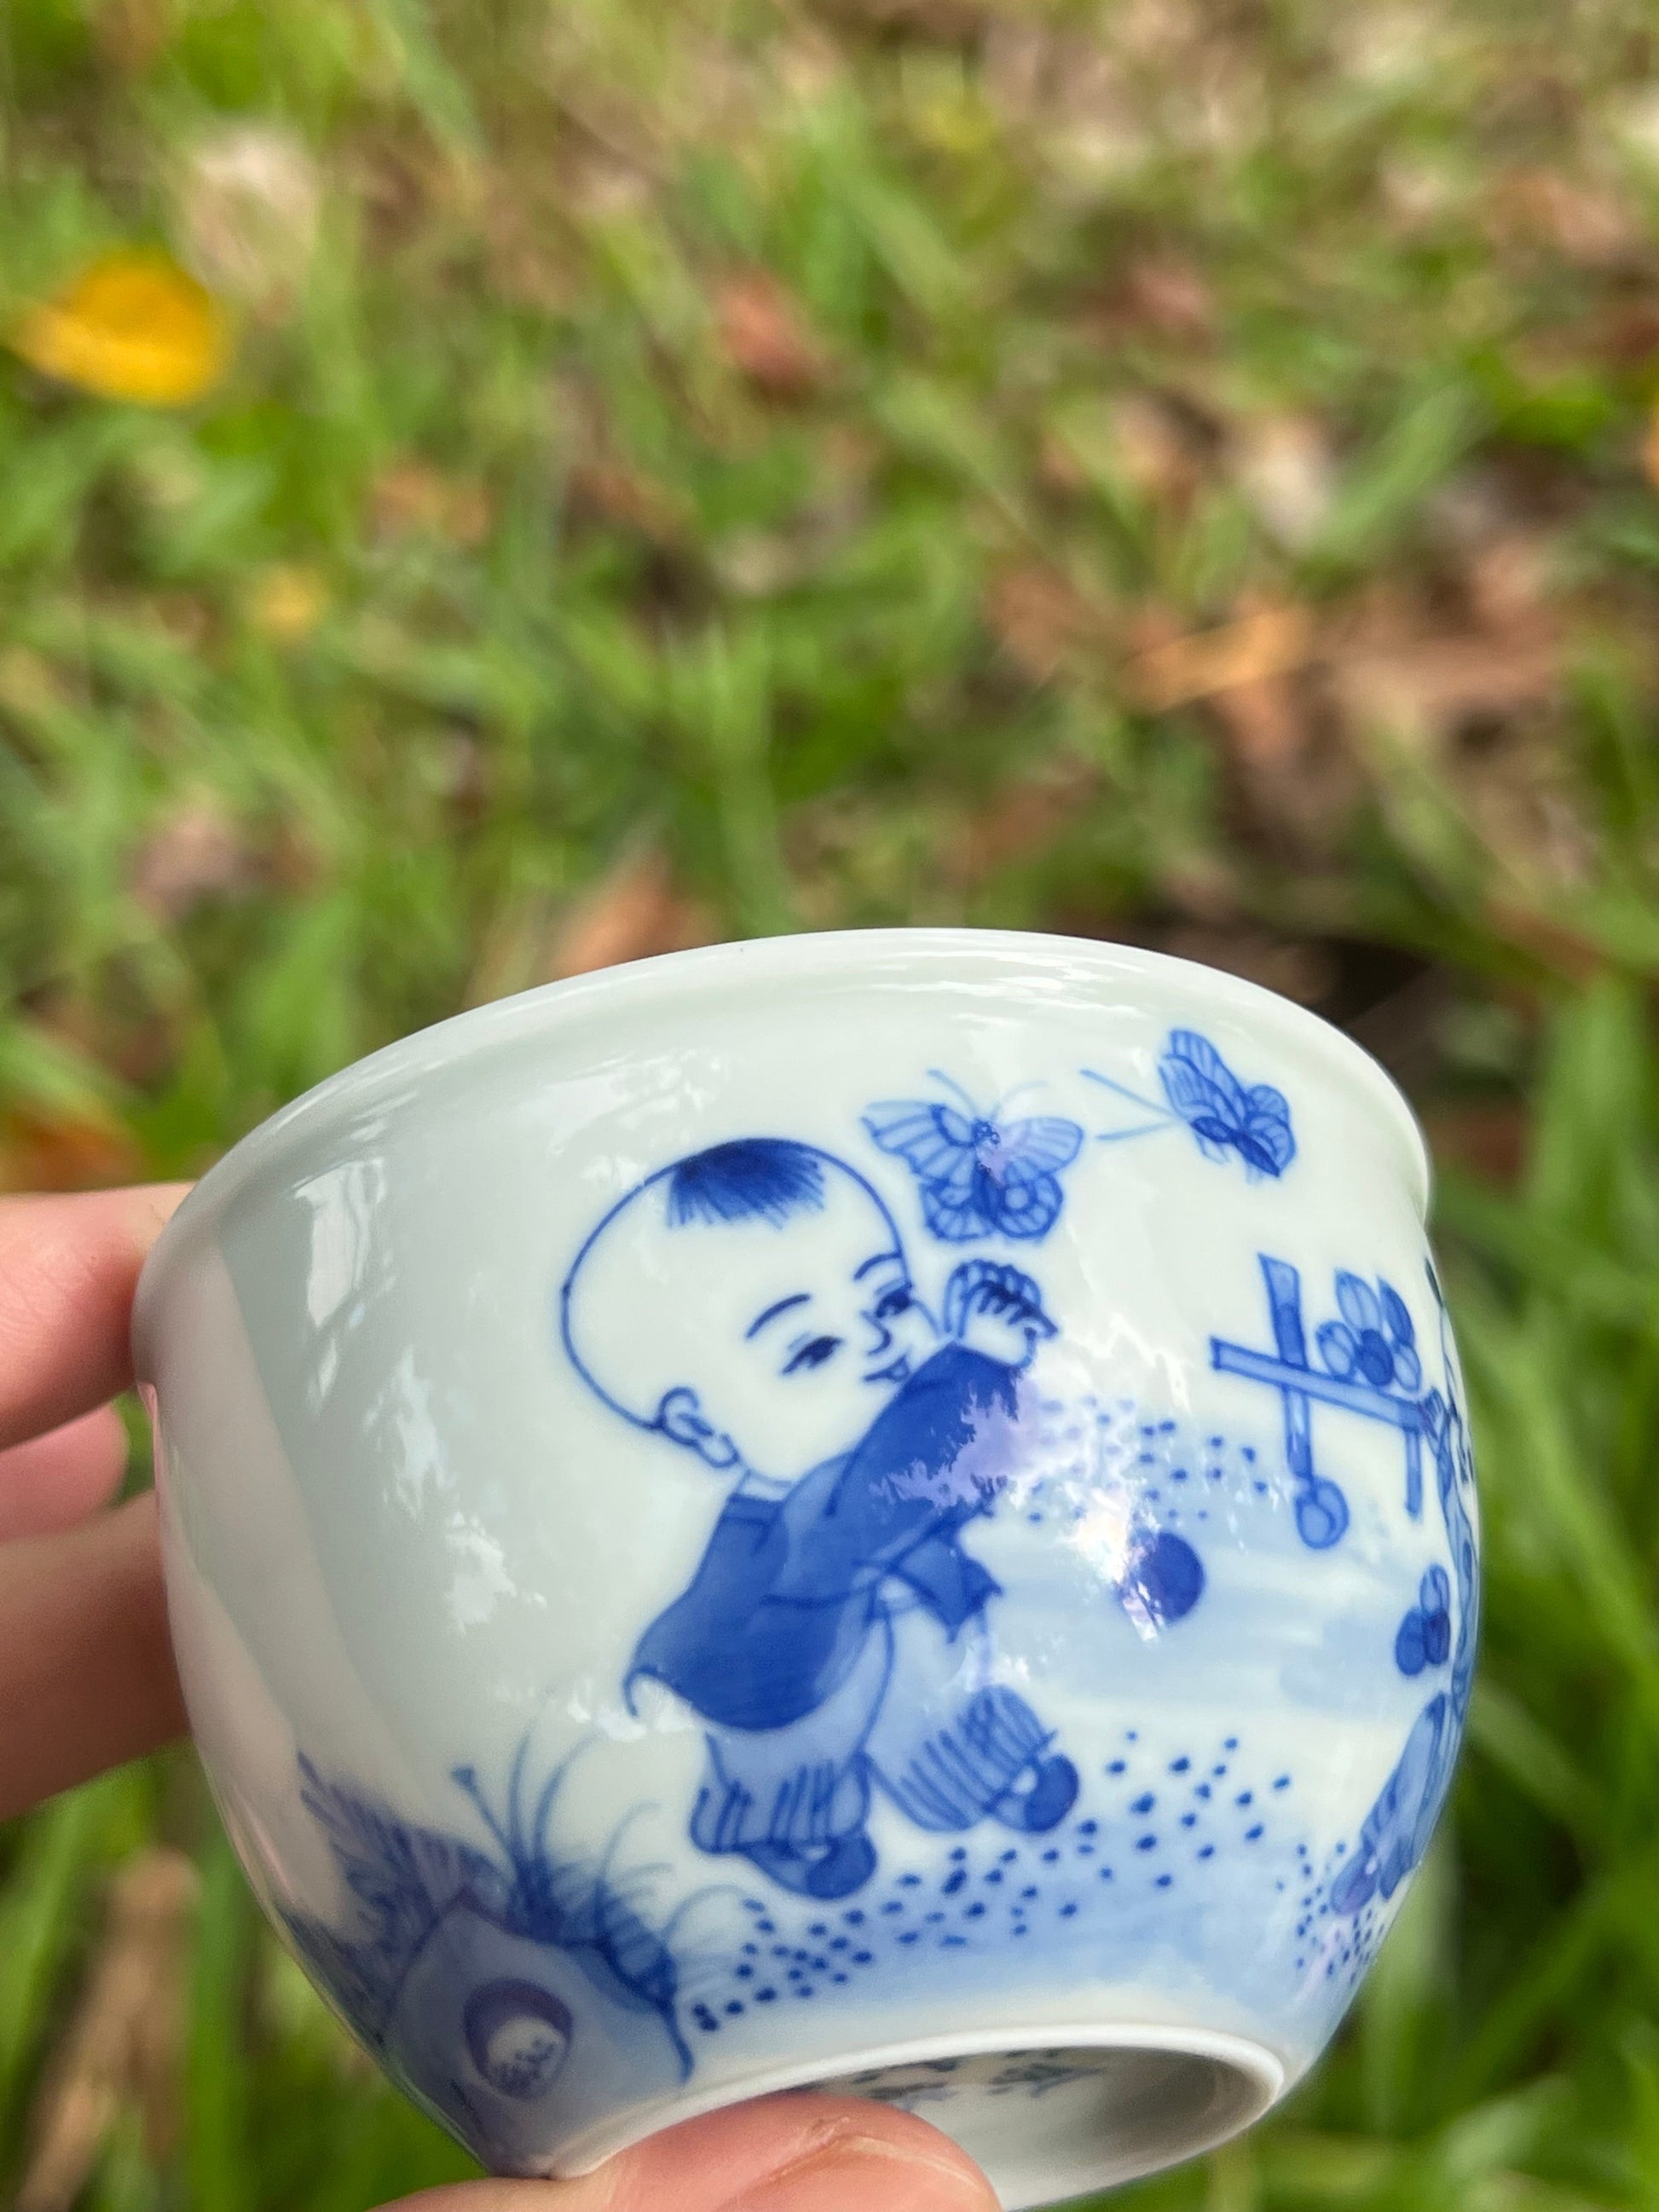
1220	1112
978	1174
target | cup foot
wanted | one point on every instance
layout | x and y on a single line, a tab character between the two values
1052	2116
1057	2122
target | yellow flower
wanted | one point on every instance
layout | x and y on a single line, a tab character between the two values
134	326
287	602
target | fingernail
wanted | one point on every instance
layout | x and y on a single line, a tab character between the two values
862	2174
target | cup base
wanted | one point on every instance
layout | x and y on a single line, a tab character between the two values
1046	2116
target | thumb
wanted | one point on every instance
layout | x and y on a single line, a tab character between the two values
788	2154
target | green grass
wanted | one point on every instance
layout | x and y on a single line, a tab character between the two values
511	578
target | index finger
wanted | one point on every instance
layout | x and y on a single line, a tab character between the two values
67	1268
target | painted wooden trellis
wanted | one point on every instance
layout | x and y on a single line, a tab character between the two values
1321	1508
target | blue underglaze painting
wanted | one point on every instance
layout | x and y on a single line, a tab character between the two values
978	1174
927	2082
485	1973
880	1789
407	1882
864	1437
1395	1832
1424	1639
1203	1095
1369	1366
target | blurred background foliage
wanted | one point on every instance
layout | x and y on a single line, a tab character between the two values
487	491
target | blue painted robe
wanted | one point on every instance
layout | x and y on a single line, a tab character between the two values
785	1592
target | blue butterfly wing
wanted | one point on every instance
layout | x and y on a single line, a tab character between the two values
1201	1087
1031	1152
927	1137
936	1143
1027	1208
1267	1141
956	1218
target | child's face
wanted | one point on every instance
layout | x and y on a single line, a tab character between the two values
815	1324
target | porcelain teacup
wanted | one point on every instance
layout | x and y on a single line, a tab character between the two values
888	1510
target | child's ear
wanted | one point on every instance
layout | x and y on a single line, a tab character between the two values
681	1417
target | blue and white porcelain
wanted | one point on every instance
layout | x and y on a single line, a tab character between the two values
891	1510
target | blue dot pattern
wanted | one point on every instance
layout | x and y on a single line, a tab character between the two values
1156	1837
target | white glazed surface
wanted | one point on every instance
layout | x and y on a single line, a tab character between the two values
414	1551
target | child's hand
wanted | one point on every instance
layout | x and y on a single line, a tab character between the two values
996	1311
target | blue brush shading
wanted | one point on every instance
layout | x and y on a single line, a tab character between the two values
1369	1366
408	1881
826	1636
1395	1834
751	1179
1424	1636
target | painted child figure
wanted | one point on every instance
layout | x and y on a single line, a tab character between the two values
753	1303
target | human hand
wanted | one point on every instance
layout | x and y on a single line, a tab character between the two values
87	1680
995	1311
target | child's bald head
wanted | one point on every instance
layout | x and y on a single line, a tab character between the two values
752	1302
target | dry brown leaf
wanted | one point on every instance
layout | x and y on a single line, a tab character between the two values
1265	721
950	20
1486	1138
755	564
1041	621
1521	803
130	34
1064	92
1651	448
1625	334
1476	699
764	335
1505	578
1270	641
39	1151
532	261
1292	966
1286	470
611	491
32	687
182	615
634	911
1156	456
1058	467
121	2047
1553	943
1586	224
1023	821
195	852
413	498
396	178
1203	885
1427	688
1160	296
250	205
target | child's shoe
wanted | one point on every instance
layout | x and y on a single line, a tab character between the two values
1043	1803
833	1869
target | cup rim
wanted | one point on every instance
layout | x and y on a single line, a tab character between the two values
1041	961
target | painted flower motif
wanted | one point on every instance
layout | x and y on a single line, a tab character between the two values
1373	1342
1425	1635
